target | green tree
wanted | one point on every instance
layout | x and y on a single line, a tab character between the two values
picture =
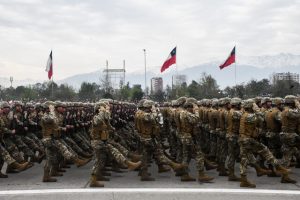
136	93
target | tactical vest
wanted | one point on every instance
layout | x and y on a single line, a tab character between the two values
248	130
233	125
146	126
137	119
100	131
213	118
271	123
48	126
289	124
186	126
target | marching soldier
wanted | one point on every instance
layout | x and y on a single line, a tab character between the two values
250	145
100	135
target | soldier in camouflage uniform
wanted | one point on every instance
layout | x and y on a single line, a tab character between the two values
250	145
49	133
24	143
8	135
222	145
189	118
232	134
213	119
100	135
289	136
273	129
4	154
148	128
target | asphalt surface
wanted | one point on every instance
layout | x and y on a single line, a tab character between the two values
74	185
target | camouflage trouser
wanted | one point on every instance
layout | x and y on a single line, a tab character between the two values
23	146
51	155
222	145
119	147
36	140
189	151
73	145
102	150
274	144
233	151
290	145
212	144
13	150
64	150
150	150
4	156
205	138
172	139
249	147
31	143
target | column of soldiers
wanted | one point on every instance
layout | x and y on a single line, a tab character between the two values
216	133
251	132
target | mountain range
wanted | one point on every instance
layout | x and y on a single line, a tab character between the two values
247	68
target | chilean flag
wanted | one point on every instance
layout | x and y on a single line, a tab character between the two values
170	60
229	60
49	67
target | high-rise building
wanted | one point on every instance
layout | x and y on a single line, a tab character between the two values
285	76
156	85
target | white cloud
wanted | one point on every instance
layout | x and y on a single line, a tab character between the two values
83	34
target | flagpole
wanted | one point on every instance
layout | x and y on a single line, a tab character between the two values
52	78
176	73
145	72
235	67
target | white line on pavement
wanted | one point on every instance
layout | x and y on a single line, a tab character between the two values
150	190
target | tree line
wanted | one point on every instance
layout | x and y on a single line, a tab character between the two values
205	87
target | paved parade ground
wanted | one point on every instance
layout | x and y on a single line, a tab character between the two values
74	185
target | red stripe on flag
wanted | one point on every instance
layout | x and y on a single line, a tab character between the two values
228	62
50	72
168	63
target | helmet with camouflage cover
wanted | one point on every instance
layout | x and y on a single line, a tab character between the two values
200	102
235	101
48	103
180	101
191	100
59	104
173	103
265	100
148	104
29	105
188	104
249	103
37	105
214	102
221	102
208	102
17	103
226	100
290	99
277	101
4	104
140	103
257	99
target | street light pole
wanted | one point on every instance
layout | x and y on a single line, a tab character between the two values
145	62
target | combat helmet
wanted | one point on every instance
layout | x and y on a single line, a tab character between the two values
148	104
289	99
235	101
249	103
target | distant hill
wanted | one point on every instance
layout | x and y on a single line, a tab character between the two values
251	67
